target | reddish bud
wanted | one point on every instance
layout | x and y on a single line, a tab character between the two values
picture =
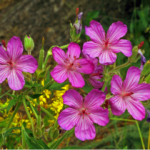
141	44
4	44
106	103
77	11
39	109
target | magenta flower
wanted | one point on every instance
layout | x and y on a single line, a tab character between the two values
83	113
128	94
70	66
105	46
12	63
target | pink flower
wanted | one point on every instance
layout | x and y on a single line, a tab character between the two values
128	94
105	46
83	113
12	63
70	66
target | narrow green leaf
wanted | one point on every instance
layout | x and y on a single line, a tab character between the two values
12	102
35	96
58	86
87	87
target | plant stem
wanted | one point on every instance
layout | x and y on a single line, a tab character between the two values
47	85
15	111
121	66
33	110
5	93
64	46
28	114
149	138
104	85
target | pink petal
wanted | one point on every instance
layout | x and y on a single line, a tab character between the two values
116	85
27	63
92	49
132	79
68	118
84	66
117	105
95	83
99	116
94	99
59	74
73	99
116	31
59	55
84	129
107	57
73	50
95	32
16	80
123	46
76	79
4	57
15	48
141	92
4	72
135	108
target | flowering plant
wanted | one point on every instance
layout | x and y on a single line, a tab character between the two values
76	102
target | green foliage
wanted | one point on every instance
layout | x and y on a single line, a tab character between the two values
58	86
87	87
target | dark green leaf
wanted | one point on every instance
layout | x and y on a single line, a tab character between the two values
87	87
15	97
35	96
58	86
12	102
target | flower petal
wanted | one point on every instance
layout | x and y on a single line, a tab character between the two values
99	116
68	118
85	129
59	74
132	79
15	48
95	32
135	108
116	31
123	46
27	63
93	49
73	50
116	85
95	83
84	66
107	57
94	99
117	105
76	79
4	72
141	92
59	55
16	80
4	57
73	99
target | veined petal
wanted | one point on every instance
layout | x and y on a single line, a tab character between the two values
59	74
99	116
84	66
95	83
76	79
116	85
107	57
59	55
16	80
27	63
93	49
4	72
68	118
132	79
135	108
4	57
141	92
95	32
15	48
116	31
117	105
73	99
73	50
123	46
94	99
84	129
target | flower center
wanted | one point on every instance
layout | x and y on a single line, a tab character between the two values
11	64
124	94
83	112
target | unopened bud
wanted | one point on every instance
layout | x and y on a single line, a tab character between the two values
134	54
28	43
146	69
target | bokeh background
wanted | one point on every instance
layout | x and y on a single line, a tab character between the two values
50	19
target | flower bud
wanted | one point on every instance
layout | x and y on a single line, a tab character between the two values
146	68
134	54
28	43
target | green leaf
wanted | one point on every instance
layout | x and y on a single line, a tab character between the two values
35	96
27	84
147	79
146	69
58	86
72	147
126	147
47	78
87	87
14	96
6	133
12	102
